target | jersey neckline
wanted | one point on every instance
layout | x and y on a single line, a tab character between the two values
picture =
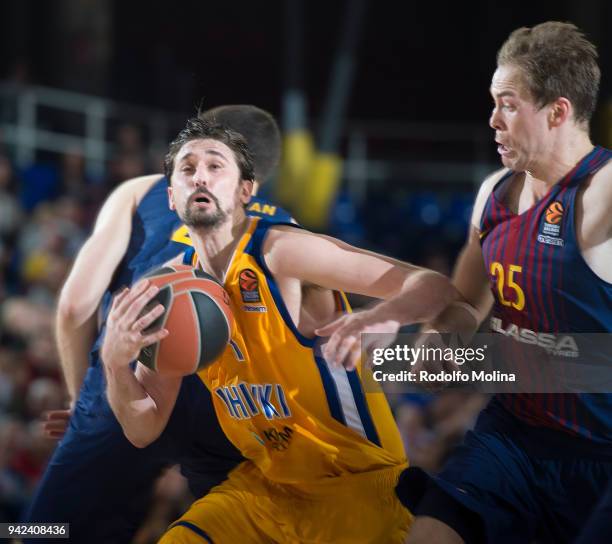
572	175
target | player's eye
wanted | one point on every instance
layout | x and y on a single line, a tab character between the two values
186	169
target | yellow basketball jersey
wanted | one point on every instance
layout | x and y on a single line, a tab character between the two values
281	404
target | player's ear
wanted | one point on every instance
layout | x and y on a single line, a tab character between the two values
171	199
560	111
245	190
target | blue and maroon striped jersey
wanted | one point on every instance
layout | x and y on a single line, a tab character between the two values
544	290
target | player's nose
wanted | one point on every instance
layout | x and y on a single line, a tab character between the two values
200	178
495	121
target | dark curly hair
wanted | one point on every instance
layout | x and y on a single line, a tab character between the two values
199	129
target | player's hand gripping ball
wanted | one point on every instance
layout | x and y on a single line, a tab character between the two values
197	316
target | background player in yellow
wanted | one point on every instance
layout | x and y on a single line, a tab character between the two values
323	456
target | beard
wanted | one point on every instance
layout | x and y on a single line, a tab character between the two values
195	217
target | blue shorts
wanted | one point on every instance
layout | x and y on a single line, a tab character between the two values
599	527
514	483
102	485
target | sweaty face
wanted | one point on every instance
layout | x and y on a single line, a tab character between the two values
521	127
206	186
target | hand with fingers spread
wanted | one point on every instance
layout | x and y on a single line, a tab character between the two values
345	343
125	326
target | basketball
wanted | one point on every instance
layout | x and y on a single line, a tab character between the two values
197	316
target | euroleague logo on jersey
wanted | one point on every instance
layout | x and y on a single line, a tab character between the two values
248	280
554	213
249	286
550	229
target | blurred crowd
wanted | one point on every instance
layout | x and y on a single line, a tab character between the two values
46	212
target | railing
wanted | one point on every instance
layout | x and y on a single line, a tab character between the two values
432	154
24	111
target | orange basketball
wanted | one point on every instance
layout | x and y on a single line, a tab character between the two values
198	318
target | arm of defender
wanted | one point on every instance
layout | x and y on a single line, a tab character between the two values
141	401
411	294
90	276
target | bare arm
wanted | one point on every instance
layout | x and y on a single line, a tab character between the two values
141	401
90	277
74	342
594	228
411	294
326	262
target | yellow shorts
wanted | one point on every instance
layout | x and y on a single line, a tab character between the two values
248	508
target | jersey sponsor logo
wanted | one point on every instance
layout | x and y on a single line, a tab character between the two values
266	209
247	400
550	240
279	439
255	309
550	229
562	345
249	286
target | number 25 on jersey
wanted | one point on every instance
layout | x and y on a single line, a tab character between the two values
507	277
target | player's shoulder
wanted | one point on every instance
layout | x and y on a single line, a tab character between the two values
125	198
281	234
138	187
489	183
128	194
602	179
287	246
484	192
596	194
261	207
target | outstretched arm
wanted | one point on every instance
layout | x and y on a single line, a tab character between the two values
411	294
